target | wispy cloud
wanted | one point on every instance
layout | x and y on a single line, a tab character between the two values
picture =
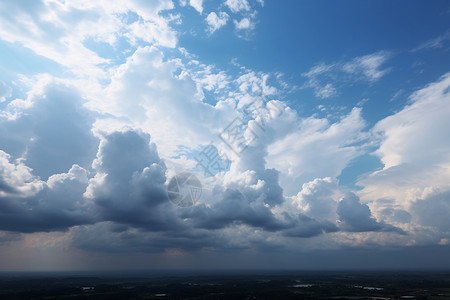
436	43
367	66
326	78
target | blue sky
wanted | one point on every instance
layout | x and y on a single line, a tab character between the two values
342	112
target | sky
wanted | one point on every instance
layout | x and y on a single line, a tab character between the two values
224	135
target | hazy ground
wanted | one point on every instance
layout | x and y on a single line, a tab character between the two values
243	285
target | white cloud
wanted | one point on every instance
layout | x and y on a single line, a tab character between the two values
125	187
435	43
414	148
368	66
57	30
317	198
327	79
237	5
215	21
417	134
210	80
295	152
244	24
16	177
326	91
197	4
162	103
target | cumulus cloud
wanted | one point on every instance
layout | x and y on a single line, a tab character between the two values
44	206
296	153
317	198
215	21
237	5
129	185
414	147
162	103
96	162
55	129
16	177
244	24
355	216
123	196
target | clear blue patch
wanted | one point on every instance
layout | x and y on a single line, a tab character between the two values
210	161
16	59
363	164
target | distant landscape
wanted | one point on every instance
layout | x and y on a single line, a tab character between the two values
244	285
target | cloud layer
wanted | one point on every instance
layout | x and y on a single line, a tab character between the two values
86	155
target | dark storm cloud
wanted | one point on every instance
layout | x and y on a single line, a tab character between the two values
308	227
56	206
102	237
234	208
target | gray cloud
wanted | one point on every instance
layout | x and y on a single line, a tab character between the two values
433	210
234	208
129	187
308	227
53	133
54	205
355	216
